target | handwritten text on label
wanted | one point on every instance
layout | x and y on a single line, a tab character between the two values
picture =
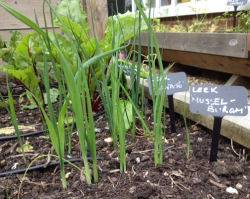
218	100
175	82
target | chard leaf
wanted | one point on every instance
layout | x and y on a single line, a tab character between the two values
79	33
73	10
127	112
54	93
121	29
26	76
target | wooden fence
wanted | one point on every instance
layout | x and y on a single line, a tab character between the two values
29	8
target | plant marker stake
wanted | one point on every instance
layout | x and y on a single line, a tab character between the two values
171	113
215	139
218	101
236	4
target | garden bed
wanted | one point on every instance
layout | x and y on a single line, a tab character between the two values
80	100
179	177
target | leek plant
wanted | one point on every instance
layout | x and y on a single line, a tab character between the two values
136	91
14	120
56	129
55	126
157	85
115	110
79	63
119	111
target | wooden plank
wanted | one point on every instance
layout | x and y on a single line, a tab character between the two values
231	65
224	44
97	12
6	34
26	7
248	44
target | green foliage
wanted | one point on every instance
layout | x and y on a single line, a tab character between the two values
27	52
129	68
25	75
72	10
159	27
121	28
14	121
217	24
25	148
158	100
127	112
2	43
75	61
53	92
72	20
198	26
7	48
243	22
3	104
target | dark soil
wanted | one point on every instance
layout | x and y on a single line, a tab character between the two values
179	176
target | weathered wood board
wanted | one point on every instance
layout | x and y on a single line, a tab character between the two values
97	12
223	44
29	8
231	65
6	34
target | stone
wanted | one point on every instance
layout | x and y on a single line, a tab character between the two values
132	189
231	190
108	140
239	186
196	180
138	160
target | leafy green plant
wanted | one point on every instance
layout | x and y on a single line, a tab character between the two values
78	63
2	43
26	76
159	27
159	98
118	111
56	129
7	48
15	122
243	21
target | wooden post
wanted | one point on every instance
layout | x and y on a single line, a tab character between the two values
97	12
